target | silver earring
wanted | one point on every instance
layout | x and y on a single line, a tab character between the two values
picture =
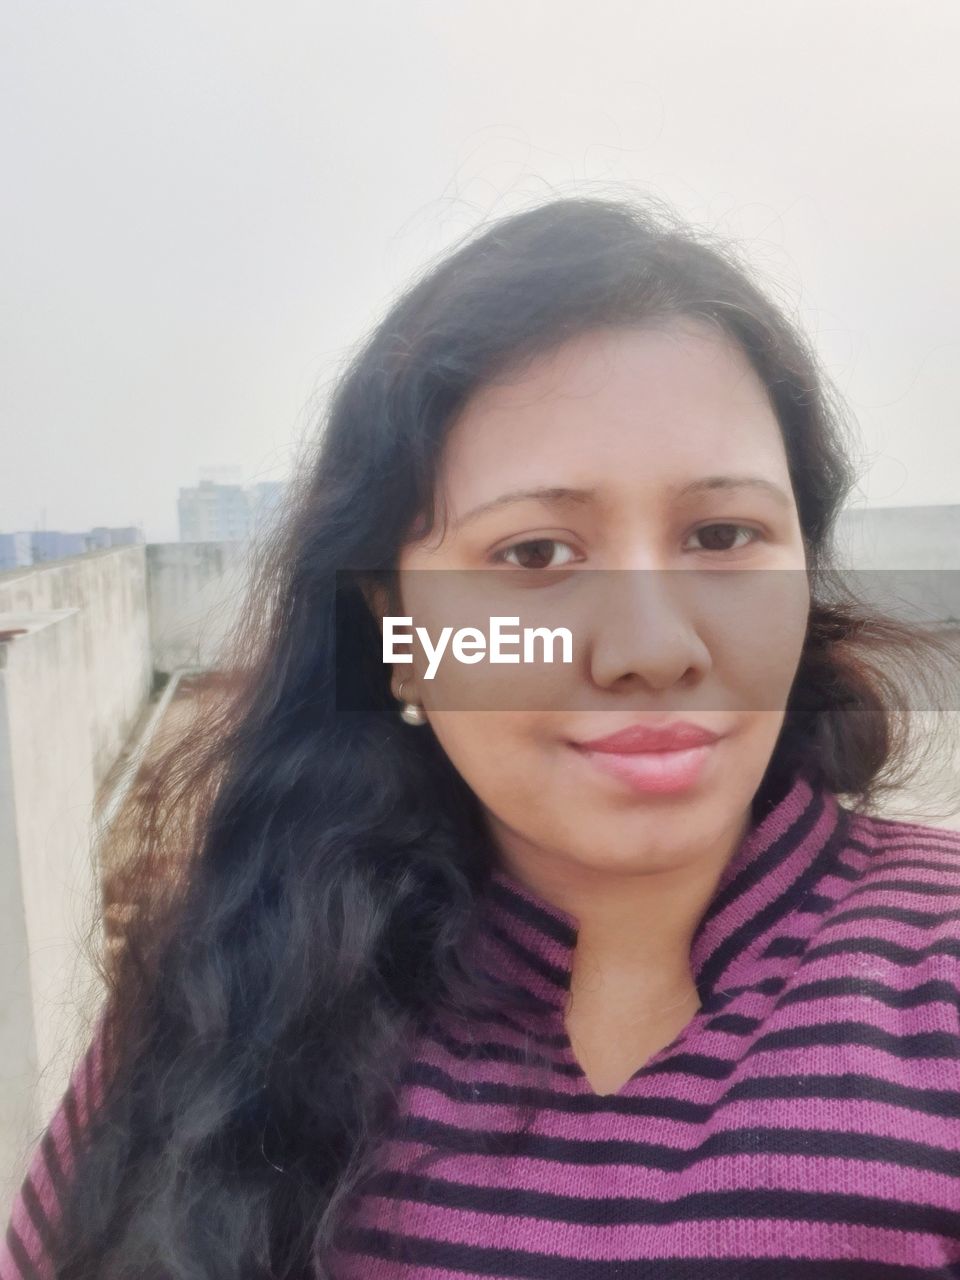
410	712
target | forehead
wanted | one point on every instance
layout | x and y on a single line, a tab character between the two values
621	407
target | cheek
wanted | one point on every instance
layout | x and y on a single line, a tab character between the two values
755	629
495	753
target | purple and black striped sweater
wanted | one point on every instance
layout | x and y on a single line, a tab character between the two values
805	1123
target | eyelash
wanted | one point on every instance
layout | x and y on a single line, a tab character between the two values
499	557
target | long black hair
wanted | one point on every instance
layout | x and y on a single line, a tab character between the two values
300	883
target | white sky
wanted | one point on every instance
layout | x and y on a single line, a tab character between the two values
207	202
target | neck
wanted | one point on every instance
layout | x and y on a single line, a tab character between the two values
634	928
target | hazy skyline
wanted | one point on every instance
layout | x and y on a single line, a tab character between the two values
207	205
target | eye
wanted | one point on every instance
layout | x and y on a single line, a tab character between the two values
722	536
537	550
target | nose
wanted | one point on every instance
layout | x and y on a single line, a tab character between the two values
645	630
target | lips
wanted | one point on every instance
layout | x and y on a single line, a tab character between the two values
666	759
681	735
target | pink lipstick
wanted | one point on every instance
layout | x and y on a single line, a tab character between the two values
661	759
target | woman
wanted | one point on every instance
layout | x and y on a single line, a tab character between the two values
589	969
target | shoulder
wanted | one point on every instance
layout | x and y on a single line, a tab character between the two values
909	860
893	909
912	869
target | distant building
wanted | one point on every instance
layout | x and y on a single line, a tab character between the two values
215	512
265	500
51	544
15	551
101	537
25	548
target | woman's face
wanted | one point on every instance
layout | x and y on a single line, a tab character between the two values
664	455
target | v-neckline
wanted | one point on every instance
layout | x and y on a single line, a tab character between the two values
649	1067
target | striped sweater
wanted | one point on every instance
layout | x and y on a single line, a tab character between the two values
805	1123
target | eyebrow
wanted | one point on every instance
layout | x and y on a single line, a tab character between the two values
559	495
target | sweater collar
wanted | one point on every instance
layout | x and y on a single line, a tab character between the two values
772	874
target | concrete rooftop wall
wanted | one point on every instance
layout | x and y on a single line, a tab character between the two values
921	538
109	590
49	884
77	668
194	590
75	674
